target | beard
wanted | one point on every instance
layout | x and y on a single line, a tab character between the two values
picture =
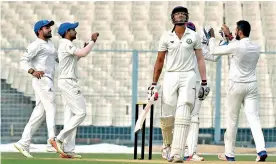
237	36
48	35
73	37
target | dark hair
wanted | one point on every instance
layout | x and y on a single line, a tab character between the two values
245	27
63	36
37	32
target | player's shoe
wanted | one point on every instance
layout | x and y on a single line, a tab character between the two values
70	155
194	157
261	156
175	159
166	151
223	157
22	150
49	147
57	145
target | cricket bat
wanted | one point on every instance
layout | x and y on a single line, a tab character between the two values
143	115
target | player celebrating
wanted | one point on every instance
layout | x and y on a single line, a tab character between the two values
242	88
39	61
191	144
74	102
179	46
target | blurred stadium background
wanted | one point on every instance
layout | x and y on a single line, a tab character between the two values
119	69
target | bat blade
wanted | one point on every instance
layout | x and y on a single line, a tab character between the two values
142	117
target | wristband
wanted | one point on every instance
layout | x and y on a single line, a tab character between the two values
204	82
230	37
31	71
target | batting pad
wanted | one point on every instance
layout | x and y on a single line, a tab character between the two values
166	124
193	135
181	130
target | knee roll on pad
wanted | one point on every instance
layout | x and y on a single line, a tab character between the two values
182	121
183	115
195	119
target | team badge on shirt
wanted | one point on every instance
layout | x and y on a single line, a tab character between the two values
189	41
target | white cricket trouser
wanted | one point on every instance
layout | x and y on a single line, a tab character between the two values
192	139
178	101
75	103
45	107
246	93
69	141
178	89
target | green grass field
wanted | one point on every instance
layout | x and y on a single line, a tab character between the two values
53	158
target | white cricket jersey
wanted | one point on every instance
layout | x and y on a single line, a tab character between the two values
67	60
245	55
180	52
41	56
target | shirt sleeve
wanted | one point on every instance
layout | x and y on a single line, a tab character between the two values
70	48
163	46
231	48
26	60
207	55
197	44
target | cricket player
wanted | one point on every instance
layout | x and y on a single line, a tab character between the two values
178	46
192	140
74	102
242	88
39	61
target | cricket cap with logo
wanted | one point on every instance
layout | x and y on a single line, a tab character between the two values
66	26
38	25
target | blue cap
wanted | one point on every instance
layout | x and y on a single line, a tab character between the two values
66	26
42	23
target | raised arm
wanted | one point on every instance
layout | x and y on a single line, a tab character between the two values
231	48
207	56
85	50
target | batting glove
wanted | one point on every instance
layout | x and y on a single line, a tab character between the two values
203	91
224	40
152	90
206	35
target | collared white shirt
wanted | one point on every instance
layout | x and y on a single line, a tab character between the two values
244	58
40	55
67	60
180	52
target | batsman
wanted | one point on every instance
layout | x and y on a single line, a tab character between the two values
179	47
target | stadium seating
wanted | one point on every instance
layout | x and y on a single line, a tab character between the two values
106	76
